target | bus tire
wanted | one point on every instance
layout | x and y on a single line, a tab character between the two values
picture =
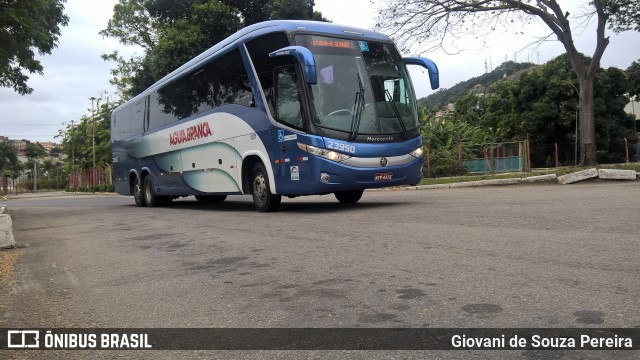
349	197
211	198
138	196
263	199
150	198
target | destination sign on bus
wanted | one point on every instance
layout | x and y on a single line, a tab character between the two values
326	45
331	44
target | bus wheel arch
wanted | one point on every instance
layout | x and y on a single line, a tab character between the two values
247	167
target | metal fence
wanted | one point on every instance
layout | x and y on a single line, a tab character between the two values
566	154
90	178
496	158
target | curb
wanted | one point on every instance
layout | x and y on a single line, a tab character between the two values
605	174
492	182
6	231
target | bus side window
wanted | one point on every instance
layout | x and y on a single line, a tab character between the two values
259	49
287	97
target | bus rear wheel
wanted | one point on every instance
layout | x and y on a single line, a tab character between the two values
138	197
348	197
150	197
263	199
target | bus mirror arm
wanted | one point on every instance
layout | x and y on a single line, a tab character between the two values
304	57
431	67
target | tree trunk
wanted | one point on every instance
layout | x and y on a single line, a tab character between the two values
587	123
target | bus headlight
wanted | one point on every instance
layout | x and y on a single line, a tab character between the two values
417	152
327	154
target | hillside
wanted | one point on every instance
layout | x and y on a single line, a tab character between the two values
447	96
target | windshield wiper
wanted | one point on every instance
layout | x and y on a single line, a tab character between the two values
359	106
397	113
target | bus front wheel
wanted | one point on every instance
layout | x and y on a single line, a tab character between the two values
263	199
348	197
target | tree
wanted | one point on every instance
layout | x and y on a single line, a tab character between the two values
76	139
26	26
410	21
171	32
625	14
442	136
633	75
8	161
542	102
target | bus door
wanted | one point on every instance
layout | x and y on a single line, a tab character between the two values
292	165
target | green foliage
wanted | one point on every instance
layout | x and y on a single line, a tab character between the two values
624	14
543	102
34	151
429	24
612	122
77	139
480	83
205	25
26	26
8	156
172	32
442	136
633	76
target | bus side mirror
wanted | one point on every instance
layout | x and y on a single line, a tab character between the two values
431	67
304	57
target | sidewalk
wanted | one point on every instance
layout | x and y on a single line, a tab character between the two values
51	194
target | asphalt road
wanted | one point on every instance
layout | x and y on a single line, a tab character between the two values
523	256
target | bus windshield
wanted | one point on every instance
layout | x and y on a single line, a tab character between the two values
363	87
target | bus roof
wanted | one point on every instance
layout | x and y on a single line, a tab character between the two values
255	30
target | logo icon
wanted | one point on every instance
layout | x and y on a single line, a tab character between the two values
384	162
23	339
281	135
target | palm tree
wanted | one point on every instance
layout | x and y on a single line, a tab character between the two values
8	160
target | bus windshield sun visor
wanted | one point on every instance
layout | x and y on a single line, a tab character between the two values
304	57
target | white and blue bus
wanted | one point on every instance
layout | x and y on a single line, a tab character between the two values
280	108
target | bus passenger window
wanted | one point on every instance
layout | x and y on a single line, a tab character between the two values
288	106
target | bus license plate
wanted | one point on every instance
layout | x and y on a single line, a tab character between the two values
383	176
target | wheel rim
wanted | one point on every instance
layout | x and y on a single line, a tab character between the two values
259	188
137	191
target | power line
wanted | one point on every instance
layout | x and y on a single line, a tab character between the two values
23	124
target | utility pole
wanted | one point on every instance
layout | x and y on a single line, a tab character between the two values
73	155
93	134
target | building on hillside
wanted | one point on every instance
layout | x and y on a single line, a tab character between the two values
20	145
48	146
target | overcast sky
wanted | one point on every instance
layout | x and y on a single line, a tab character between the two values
74	71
